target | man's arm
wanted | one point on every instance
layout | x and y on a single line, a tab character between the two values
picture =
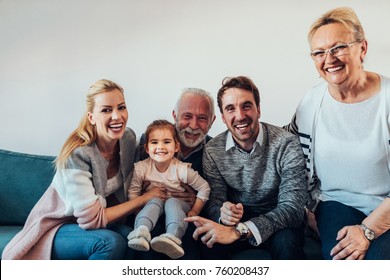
292	194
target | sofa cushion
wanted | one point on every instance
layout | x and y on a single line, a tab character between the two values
6	234
23	180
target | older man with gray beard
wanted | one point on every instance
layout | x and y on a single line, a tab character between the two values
193	114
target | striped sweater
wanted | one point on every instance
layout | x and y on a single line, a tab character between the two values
269	182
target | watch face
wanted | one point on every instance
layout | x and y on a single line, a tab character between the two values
243	230
369	234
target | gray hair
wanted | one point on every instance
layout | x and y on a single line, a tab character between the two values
200	92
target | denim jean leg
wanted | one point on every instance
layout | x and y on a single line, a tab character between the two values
124	231
287	244
380	248
74	243
331	216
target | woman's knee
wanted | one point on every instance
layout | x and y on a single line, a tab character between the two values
109	246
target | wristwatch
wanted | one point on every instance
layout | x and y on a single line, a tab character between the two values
368	233
243	230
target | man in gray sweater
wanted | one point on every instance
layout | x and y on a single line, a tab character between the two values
256	172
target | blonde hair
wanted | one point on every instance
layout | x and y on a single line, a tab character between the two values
343	15
85	133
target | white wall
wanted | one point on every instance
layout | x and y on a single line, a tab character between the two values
51	51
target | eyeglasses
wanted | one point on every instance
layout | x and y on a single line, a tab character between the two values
336	51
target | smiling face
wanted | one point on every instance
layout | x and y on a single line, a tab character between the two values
109	115
343	70
193	120
241	116
161	147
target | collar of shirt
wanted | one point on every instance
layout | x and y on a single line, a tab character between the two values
198	148
230	143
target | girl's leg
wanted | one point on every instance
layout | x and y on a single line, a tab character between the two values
149	214
175	212
145	221
170	242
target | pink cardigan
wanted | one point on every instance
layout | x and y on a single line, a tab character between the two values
36	239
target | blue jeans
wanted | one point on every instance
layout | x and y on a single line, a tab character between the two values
74	243
332	216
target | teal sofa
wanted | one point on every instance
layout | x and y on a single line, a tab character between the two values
25	177
23	180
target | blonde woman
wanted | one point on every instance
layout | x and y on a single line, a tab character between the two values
77	217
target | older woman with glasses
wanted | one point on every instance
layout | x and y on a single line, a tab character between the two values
344	129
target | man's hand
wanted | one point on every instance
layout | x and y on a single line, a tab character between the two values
188	196
212	232
231	214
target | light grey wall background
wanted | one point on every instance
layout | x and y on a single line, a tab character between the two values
51	51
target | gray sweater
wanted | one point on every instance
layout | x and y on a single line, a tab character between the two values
270	182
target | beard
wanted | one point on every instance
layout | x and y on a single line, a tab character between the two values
190	143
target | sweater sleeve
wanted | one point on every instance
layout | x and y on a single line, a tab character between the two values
292	126
289	211
76	189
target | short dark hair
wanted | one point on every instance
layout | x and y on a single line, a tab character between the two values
240	82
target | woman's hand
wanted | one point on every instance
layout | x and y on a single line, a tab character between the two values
155	192
188	195
352	245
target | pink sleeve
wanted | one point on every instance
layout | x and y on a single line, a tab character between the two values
91	217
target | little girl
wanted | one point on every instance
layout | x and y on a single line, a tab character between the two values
163	169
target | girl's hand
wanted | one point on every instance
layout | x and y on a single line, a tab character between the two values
192	213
